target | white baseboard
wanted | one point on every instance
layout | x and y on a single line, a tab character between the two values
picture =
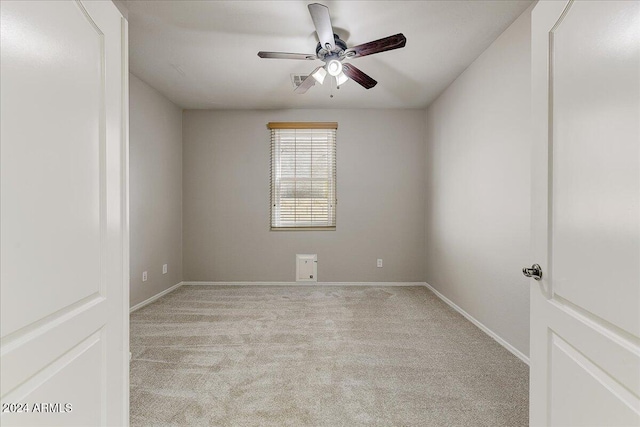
155	297
482	327
303	283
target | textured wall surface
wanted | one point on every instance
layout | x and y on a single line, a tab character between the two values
155	165
478	187
380	210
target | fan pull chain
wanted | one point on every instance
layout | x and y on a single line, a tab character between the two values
331	86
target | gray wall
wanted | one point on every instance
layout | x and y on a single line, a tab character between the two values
478	187
155	165
380	211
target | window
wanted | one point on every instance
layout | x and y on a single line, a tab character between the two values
303	176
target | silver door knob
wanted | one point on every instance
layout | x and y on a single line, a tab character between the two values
535	271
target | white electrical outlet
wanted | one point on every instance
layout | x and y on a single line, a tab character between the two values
164	268
144	276
379	262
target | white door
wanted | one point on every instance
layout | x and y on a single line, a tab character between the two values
64	235
585	312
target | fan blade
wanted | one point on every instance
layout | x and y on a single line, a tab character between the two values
284	55
306	83
358	76
377	46
322	21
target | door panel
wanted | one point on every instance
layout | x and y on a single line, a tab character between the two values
582	384
44	177
22	358
596	161
64	229
585	312
612	353
66	379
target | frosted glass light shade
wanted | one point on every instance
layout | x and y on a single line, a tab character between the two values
341	79
319	75
334	67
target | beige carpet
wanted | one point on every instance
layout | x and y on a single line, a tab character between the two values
318	356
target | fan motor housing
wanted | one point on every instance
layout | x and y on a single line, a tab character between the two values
340	46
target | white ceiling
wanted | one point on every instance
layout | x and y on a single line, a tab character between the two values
203	54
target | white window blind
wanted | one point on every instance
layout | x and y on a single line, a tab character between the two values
303	176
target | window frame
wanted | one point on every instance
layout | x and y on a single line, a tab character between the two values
274	180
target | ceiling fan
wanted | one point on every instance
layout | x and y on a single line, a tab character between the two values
333	51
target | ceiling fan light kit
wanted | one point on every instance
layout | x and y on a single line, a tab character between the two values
341	79
332	50
334	67
319	74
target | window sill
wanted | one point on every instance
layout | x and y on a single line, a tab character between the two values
303	229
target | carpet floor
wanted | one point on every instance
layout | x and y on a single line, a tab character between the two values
318	356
